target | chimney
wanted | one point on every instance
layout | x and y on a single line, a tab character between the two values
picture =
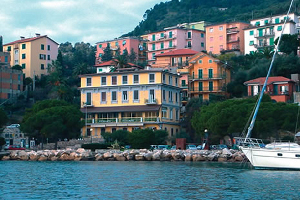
22	37
1	44
37	35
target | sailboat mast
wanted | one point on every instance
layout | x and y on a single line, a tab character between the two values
267	77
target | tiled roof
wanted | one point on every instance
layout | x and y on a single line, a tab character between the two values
107	63
261	80
178	52
28	40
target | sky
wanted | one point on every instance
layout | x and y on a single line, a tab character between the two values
88	21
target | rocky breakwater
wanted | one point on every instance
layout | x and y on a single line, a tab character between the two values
81	154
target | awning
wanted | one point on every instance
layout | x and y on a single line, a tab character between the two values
143	108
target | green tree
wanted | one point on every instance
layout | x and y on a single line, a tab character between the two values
2	142
107	55
52	119
132	56
17	67
141	138
288	44
121	61
3	117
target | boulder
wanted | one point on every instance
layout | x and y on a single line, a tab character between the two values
222	158
98	157
54	158
129	157
226	152
212	157
42	158
156	155
80	150
188	157
148	156
5	158
139	157
119	157
177	155
34	157
166	155
23	155
107	155
198	157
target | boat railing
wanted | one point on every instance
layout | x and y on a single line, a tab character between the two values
249	142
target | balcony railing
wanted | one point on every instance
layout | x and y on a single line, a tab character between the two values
267	34
150	101
206	89
207	76
232	30
122	120
184	98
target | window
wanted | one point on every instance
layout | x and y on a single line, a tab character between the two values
9	48
135	95
200	61
221	47
210	86
88	81
189	44
153	37
176	81
164	112
183	83
210	73
161	45
209	61
114	80
257	23
23	46
42	57
279	28
151	78
189	35
153	56
42	66
164	95
103	97
170	44
124	80
177	117
100	46
202	44
202	35
170	34
48	57
153	46
48	47
176	97
161	35
271	41
211	39
211	30
88	99
103	80
277	21
113	96
211	49
19	77
251	43
6	59
42	47
251	32
100	55
266	21
170	96
23	66
200	73
164	78
125	96
136	78
170	80
221	37
220	28
171	113
151	96
23	56
200	86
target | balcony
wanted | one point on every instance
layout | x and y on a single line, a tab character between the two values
123	120
165	38
232	30
206	89
266	34
207	77
264	45
232	40
151	101
184	98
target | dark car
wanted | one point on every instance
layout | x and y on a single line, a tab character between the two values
15	147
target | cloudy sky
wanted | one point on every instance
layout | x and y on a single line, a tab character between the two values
71	20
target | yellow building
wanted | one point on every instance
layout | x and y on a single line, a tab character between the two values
130	100
207	76
33	54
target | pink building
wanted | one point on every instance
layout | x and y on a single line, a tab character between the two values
137	44
278	87
174	38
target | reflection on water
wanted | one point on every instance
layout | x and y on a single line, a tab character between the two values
141	180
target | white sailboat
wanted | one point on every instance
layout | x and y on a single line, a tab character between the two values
280	155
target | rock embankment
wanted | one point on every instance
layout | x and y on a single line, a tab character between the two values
81	154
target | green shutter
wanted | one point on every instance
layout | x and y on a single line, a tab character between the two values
251	32
161	35
200	73
153	46
170	34
251	43
170	44
271	41
162	45
211	86
189	34
183	83
153	37
200	86
279	28
210	73
277	21
260	32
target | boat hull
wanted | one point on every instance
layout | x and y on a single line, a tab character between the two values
273	158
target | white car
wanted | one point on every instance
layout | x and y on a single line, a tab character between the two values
191	147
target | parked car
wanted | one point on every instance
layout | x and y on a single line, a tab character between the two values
153	147
199	147
15	147
127	147
163	147
222	146
191	147
173	147
6	147
14	126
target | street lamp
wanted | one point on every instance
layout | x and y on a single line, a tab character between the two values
84	104
206	139
91	130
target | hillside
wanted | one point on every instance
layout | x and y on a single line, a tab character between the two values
175	11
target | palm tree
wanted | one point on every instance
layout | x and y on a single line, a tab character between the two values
121	61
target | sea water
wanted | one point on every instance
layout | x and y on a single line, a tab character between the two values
143	180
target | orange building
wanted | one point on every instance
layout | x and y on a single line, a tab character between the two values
278	87
207	75
228	37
